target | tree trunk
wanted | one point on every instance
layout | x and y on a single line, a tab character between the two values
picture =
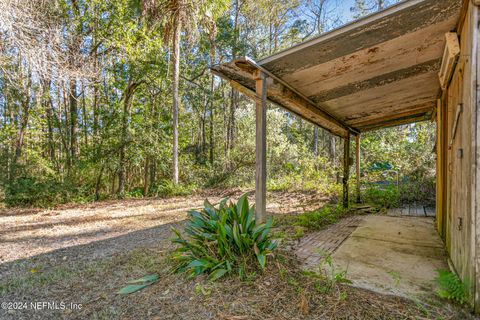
6	119
346	169
59	125
380	5
204	129
233	93
212	133
96	78
84	116
212	98
176	98
64	114
315	141
153	173
152	157
127	102
49	115
112	189
225	131
73	120
19	142
97	183
333	156
95	109
231	120
145	176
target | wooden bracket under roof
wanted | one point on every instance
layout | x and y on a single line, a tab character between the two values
449	60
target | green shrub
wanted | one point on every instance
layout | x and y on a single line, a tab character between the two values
29	191
134	193
418	190
317	219
451	287
221	241
387	197
167	188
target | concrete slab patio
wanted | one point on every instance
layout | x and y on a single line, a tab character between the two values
393	255
397	255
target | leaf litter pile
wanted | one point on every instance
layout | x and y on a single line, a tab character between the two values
281	291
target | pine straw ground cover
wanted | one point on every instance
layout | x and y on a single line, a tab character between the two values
81	275
282	291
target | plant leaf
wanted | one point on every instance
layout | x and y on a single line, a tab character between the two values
131	288
215	275
149	278
261	259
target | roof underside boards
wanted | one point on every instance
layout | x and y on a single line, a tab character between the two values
377	72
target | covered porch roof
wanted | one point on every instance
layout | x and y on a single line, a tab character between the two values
376	72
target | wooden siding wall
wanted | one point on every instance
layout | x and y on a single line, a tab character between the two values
441	146
457	149
476	149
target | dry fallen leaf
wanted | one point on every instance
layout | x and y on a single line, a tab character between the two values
229	317
304	308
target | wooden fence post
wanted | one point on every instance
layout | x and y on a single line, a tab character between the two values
357	164
346	167
261	147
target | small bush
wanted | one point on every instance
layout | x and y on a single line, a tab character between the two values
29	191
317	219
167	188
221	241
134	193
387	197
451	287
418	190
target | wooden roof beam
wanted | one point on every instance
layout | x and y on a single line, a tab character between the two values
290	100
398	122
284	95
314	115
366	121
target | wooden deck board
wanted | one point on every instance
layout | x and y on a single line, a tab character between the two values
413	210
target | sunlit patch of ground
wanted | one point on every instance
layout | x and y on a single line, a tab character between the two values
85	254
98	230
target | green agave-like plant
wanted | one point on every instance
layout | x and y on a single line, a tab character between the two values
220	240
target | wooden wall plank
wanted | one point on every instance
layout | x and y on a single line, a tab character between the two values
440	168
462	157
475	142
476	148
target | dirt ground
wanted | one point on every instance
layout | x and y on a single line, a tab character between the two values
69	263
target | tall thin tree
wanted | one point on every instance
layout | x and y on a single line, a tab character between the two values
173	15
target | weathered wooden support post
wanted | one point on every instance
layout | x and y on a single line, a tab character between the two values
346	167
357	164
261	147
